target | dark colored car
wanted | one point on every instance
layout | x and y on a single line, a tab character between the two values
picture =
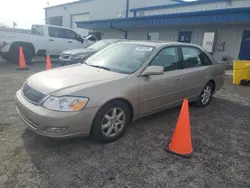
78	55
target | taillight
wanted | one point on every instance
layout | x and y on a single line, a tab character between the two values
223	75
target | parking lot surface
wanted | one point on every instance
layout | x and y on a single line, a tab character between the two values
220	133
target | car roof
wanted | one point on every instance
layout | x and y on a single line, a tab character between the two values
159	43
112	40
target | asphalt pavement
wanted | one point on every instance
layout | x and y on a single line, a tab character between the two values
220	135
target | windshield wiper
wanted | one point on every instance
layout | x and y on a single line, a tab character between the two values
100	67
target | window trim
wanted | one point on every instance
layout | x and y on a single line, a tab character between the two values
182	56
179	65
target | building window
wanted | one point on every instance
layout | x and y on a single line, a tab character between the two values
140	13
185	36
55	21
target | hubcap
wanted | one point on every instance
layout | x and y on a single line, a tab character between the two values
206	95
113	122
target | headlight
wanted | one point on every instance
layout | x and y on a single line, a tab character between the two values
66	104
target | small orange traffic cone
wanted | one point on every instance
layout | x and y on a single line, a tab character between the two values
22	62
48	63
181	143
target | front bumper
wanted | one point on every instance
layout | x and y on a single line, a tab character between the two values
39	118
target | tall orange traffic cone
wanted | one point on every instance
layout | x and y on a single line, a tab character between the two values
48	63
22	62
181	143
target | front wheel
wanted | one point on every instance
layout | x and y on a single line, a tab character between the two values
206	95
111	121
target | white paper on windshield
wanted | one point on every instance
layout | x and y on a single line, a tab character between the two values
143	48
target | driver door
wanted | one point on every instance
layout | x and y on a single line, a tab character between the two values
157	92
61	39
70	38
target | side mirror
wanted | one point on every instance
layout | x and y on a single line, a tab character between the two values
79	38
153	70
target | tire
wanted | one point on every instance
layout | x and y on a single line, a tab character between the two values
27	51
205	96
105	123
6	57
244	82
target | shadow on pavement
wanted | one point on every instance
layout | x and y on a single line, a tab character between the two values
220	135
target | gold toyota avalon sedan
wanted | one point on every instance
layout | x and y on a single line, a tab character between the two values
122	82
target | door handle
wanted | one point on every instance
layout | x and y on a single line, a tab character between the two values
69	41
177	79
51	40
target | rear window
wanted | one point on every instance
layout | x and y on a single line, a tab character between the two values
194	57
37	30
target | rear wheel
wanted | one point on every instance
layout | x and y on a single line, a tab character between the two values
27	51
111	121
6	57
206	95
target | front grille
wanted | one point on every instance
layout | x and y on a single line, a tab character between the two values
33	95
65	56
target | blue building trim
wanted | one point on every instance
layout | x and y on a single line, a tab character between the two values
66	4
188	18
177	4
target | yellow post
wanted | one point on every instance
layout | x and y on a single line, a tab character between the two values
241	71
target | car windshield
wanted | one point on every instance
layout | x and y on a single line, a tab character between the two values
121	57
99	45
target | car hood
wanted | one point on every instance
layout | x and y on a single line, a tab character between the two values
79	51
70	76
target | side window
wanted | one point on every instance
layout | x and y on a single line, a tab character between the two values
61	33
55	32
168	58
37	30
193	57
205	59
69	34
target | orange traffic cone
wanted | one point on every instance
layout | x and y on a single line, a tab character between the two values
22	62
181	143
48	63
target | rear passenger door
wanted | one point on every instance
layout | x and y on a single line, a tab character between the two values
195	70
